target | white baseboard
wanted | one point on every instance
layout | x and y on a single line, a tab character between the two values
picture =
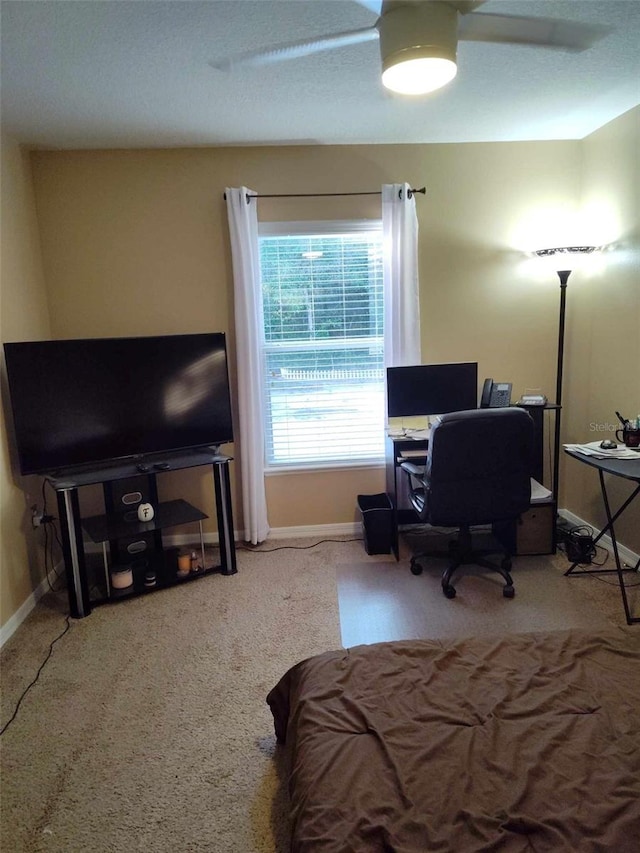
320	531
13	622
626	554
316	531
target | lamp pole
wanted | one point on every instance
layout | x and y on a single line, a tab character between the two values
563	275
564	278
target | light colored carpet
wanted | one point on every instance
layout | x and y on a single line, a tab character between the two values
384	601
148	730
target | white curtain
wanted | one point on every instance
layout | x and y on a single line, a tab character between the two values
400	276
243	231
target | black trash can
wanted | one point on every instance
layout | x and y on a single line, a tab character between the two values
377	523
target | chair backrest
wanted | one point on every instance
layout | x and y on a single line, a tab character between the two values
479	466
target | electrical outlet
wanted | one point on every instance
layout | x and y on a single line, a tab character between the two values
38	518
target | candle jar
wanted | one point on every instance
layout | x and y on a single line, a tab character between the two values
184	563
122	578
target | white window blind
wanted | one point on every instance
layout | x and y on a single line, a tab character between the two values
323	343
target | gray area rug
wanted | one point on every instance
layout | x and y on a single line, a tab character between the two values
382	601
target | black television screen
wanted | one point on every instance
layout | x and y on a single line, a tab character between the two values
90	401
431	389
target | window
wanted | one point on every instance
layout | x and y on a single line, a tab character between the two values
323	342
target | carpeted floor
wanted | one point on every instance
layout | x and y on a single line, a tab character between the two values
147	729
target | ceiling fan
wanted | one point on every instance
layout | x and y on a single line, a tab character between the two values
419	40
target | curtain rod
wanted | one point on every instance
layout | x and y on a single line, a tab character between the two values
412	192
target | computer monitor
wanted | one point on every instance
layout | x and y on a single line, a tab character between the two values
431	389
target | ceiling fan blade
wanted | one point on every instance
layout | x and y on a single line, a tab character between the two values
466	6
374	6
538	32
296	49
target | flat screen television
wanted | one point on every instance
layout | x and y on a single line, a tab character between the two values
91	401
432	389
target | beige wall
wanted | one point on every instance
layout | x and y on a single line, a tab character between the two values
23	315
135	242
602	364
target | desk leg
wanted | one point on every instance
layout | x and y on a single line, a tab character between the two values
609	527
630	619
225	517
395	536
73	553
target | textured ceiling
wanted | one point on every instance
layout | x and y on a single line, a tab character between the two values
137	74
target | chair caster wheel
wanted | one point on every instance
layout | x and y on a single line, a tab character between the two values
506	564
416	568
508	591
449	591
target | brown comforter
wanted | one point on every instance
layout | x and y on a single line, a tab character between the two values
526	742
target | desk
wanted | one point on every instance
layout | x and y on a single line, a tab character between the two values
535	534
397	486
630	470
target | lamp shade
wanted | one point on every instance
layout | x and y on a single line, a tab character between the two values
565	257
418	45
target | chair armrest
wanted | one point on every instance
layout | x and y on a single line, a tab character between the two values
414	470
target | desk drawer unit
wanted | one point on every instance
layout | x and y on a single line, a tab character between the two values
534	530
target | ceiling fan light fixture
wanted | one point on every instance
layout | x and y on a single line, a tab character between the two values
418	76
418	45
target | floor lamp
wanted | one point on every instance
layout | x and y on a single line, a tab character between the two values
565	257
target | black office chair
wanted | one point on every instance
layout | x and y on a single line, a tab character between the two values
477	472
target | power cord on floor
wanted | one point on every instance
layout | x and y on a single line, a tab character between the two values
37	676
292	547
68	623
579	545
579	549
615	583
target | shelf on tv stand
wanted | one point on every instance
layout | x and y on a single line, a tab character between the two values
124	468
102	528
166	577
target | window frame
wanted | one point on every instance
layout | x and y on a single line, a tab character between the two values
303	228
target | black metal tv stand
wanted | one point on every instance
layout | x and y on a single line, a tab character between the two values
90	586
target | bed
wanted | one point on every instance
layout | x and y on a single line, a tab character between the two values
525	742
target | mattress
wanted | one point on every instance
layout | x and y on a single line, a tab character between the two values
526	742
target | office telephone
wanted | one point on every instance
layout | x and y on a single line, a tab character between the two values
495	394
